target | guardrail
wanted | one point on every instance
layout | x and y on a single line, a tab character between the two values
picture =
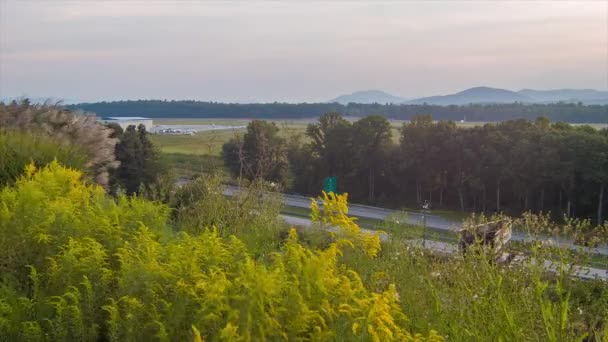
431	221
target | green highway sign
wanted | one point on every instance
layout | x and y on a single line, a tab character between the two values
330	184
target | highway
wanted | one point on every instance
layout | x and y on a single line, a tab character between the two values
450	249
414	218
432	221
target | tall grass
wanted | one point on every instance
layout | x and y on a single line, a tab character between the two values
471	298
18	149
77	264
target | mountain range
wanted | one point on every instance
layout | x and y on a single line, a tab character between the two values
482	95
369	96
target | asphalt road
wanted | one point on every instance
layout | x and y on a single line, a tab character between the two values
449	249
414	218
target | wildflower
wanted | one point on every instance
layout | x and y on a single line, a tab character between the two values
435	274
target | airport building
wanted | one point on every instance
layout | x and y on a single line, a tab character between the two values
127	121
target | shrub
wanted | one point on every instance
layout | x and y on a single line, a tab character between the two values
65	127
18	149
80	265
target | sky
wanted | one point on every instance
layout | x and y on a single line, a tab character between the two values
295	51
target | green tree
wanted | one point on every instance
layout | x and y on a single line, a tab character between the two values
538	165
371	141
262	154
331	144
416	141
140	162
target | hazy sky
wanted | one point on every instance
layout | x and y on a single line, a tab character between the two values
296	51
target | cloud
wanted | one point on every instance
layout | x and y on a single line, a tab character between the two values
267	51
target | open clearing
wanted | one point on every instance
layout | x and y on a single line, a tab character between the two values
208	141
189	155
201	143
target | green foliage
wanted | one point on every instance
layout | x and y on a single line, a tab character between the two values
512	166
190	166
18	149
65	127
78	264
260	155
140	162
470	299
202	204
371	142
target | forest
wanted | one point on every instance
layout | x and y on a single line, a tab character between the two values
93	248
512	166
566	112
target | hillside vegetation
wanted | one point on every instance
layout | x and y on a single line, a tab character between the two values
81	265
80	261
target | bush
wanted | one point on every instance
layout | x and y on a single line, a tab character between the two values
80	265
18	149
67	128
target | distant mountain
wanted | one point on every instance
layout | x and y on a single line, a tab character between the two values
368	96
497	95
586	96
474	95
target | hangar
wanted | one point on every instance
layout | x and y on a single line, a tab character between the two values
126	121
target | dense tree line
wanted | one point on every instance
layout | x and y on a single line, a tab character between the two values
513	166
567	112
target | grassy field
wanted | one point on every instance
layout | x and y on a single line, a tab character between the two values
190	155
186	165
203	143
210	142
